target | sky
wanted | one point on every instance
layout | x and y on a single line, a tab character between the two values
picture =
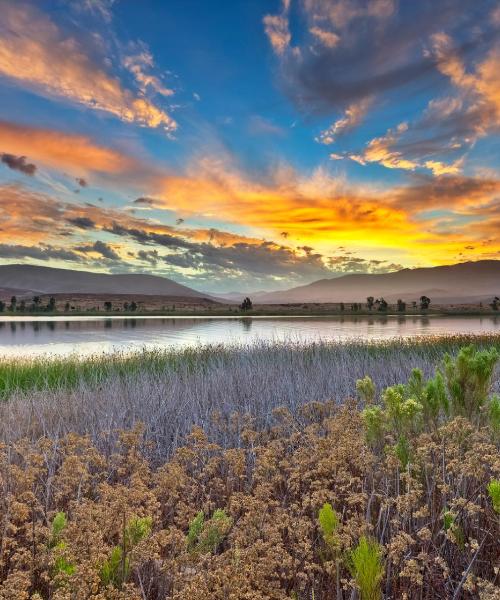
245	145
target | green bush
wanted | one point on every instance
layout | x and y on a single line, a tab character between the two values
367	568
374	422
328	522
366	389
116	569
206	536
468	379
494	493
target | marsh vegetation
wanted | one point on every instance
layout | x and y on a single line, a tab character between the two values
327	471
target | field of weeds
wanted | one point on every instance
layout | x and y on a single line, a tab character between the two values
280	491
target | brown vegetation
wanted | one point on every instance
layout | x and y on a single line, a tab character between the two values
399	498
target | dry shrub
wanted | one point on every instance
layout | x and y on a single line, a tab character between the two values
434	520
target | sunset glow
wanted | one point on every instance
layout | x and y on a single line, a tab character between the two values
249	145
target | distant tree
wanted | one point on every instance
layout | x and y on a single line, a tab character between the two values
342	306
13	304
495	303
401	305
51	306
246	304
108	305
22	306
2	305
382	305
125	306
66	307
414	304
424	302
370	301
36	302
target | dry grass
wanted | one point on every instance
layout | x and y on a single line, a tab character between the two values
170	392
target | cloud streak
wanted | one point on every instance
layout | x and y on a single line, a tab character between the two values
36	54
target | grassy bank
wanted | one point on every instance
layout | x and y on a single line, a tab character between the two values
53	373
393	494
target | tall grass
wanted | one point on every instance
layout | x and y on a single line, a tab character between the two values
170	391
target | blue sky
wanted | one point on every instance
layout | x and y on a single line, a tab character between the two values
248	145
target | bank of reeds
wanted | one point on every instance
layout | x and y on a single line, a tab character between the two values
171	391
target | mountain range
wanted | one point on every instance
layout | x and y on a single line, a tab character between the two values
459	283
48	280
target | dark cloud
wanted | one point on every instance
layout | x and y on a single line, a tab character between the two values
264	259
377	56
82	222
150	256
144	200
101	248
18	163
41	252
445	191
147	237
81	182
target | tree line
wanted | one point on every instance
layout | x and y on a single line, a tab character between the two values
36	305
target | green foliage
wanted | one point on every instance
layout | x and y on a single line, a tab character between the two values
403	451
62	566
328	521
195	529
374	422
494	493
415	385
404	415
366	389
115	569
434	398
214	532
367	568
137	529
206	536
468	379
448	519
59	523
494	415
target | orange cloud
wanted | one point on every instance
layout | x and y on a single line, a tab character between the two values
36	54
58	150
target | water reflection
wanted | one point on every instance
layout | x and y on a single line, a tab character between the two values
62	335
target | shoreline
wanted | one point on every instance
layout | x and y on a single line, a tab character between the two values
7	317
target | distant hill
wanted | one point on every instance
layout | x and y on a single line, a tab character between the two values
47	280
460	283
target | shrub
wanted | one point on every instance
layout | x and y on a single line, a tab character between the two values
494	415
374	422
195	529
494	493
328	521
367	568
366	389
468	379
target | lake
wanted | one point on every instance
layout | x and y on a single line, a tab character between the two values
39	336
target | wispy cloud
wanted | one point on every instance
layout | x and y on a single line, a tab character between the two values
352	117
36	54
277	29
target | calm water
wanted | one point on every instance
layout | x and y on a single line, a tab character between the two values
35	336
